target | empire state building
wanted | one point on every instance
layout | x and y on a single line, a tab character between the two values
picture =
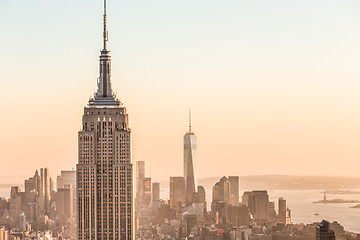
104	169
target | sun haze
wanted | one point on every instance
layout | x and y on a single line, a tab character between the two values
273	87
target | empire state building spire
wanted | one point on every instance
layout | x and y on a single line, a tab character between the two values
105	34
104	95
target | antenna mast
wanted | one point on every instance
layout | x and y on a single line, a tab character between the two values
189	120
105	34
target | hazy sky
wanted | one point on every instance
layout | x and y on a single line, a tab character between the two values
274	86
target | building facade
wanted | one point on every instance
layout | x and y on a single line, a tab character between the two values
104	170
64	202
323	231
141	182
282	210
45	190
234	190
67	179
177	192
258	204
155	192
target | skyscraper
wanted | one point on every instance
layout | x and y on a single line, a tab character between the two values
155	192
65	180
233	190
258	204
282	210
33	184
64	201
220	199
190	153
221	191
147	191
44	194
104	170
225	195
177	192
140	182
200	196
323	231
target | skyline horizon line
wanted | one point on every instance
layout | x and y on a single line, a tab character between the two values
166	179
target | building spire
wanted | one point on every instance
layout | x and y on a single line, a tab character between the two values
104	94
189	120
105	34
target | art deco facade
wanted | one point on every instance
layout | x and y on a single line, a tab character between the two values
104	169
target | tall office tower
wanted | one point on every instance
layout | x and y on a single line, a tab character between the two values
52	186
140	182
258	204
271	215
37	181
147	192
45	190
15	203
64	201
233	190
155	192
200	196
67	179
33	184
220	199
282	210
190	153
104	170
30	199
22	222
177	192
221	191
323	231
288	216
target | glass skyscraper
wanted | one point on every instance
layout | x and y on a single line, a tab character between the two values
190	159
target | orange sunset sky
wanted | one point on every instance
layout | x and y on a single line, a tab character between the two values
274	88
